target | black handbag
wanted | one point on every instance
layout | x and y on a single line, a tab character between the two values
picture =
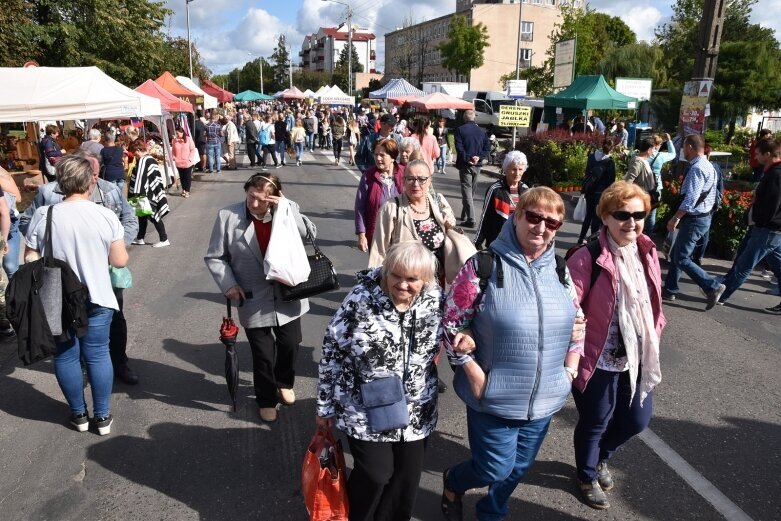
322	276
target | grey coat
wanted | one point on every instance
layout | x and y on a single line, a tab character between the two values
234	257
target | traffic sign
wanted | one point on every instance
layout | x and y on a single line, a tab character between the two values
516	88
514	116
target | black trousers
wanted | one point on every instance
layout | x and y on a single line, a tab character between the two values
385	479
337	148
267	149
186	176
159	226
274	353
117	336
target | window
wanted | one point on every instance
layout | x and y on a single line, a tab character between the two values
537	2
526	58
527	31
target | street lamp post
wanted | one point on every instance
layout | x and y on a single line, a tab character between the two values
349	44
189	45
518	62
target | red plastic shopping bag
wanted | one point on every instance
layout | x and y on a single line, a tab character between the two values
324	480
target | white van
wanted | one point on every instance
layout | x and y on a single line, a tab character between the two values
487	103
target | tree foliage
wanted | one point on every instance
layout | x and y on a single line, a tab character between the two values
16	20
341	69
464	48
280	62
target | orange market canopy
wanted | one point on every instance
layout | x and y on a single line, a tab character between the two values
211	88
439	100
292	93
169	83
168	101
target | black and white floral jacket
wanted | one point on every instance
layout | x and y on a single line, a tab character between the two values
366	340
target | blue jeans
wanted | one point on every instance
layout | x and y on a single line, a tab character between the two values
606	419
650	222
299	150
442	157
93	349
11	259
691	230
758	244
310	141
120	184
502	452
214	152
281	150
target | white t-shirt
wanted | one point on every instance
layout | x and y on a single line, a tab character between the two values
82	233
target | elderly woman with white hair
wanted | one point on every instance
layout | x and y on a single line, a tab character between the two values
501	198
382	341
409	150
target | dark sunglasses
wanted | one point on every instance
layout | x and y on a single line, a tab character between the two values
623	215
412	179
535	219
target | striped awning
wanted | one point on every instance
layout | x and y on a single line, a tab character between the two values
396	88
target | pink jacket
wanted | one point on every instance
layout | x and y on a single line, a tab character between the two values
429	149
598	302
183	152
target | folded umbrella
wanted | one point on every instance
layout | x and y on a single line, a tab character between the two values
228	333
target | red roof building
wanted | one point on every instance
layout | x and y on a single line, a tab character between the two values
320	51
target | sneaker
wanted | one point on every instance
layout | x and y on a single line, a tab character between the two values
667	296
287	396
452	510
593	495
469	223
268	414
298	163
103	424
603	476
441	386
161	244
713	296
7	332
775	310
80	422
278	166
773	291
766	274
138	242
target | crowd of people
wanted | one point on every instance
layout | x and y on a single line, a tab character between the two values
522	328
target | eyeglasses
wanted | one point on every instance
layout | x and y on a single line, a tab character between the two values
535	219
412	180
623	215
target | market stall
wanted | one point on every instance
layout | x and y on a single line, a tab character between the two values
291	93
169	83
438	101
395	88
584	94
251	95
335	96
211	88
209	101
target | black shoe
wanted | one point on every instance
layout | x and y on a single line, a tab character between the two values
452	510
441	387
80	422
124	373
775	310
469	223
103	424
714	295
667	296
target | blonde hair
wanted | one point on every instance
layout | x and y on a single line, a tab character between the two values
410	256
542	197
618	194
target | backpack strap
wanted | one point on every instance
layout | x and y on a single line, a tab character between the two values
594	249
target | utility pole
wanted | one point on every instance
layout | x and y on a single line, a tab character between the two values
349	44
189	45
518	60
709	39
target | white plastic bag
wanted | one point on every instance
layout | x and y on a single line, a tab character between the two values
580	210
285	259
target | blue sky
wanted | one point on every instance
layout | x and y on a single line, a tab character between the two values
228	33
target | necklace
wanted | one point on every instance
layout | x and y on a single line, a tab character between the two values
418	212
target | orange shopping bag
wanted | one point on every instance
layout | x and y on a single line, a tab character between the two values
323	479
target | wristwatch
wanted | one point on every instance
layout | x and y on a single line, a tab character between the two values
572	372
676	218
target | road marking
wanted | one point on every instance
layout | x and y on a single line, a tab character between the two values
341	165
697	481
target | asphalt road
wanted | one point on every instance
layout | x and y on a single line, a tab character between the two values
176	450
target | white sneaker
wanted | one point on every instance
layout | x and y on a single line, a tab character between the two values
161	244
138	242
766	274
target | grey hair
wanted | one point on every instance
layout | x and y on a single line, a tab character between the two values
469	115
94	134
410	256
514	157
409	141
74	174
417	162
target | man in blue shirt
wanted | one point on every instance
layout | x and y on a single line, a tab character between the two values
693	220
472	149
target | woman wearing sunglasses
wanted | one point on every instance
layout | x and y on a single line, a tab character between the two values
521	313
619	369
415	215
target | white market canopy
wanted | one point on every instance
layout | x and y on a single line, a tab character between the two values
309	94
68	93
209	101
395	88
335	96
320	91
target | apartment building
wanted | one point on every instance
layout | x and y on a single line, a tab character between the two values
411	52
320	51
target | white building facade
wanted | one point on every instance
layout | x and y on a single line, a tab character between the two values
320	51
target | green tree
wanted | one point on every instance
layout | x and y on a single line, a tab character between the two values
341	68
634	60
122	37
280	59
464	48
177	60
16	19
311	80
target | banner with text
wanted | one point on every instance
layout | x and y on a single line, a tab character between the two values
514	116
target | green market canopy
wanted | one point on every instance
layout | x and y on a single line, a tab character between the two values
251	95
590	92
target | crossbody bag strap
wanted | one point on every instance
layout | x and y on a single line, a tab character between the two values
47	235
